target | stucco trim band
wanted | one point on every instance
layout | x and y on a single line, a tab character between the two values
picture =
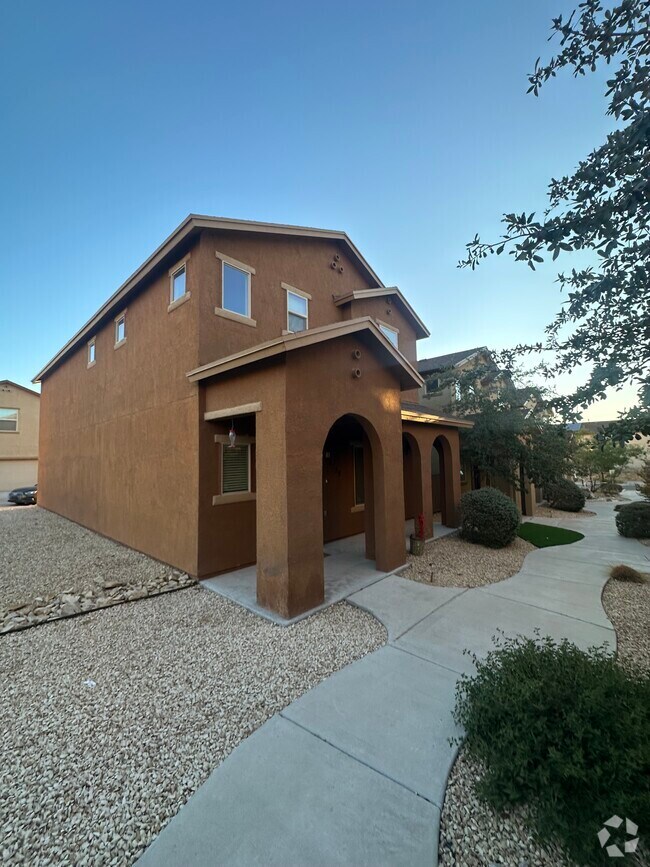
242	409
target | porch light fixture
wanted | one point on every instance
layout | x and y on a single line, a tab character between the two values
232	436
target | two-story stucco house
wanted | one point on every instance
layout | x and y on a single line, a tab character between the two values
19	413
280	338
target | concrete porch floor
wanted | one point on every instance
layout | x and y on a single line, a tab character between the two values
346	571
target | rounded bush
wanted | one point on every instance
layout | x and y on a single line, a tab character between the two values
610	488
565	495
488	517
633	520
562	731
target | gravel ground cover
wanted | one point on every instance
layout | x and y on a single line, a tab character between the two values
548	512
628	607
453	562
113	720
473	835
44	555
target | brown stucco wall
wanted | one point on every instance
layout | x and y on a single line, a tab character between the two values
304	263
119	440
291	430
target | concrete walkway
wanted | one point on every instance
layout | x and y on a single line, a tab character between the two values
354	772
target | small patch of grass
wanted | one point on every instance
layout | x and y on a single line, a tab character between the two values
543	536
627	573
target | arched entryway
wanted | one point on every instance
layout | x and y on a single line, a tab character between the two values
442	483
412	468
350	452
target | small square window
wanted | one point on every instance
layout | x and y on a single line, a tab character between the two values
91	352
178	284
120	329
297	312
236	290
235	469
8	420
390	333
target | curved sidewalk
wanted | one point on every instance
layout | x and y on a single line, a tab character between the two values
354	771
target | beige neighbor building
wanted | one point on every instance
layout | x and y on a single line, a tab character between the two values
443	398
19	419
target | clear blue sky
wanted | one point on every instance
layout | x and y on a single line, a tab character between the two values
404	123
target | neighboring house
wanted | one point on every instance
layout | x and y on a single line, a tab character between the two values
282	338
441	397
19	411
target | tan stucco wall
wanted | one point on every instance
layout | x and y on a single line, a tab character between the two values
19	450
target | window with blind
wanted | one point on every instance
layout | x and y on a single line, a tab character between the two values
8	420
235	469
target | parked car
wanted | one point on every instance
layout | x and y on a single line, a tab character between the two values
24	496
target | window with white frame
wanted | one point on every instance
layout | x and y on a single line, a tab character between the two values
297	312
390	333
178	284
8	420
359	480
236	290
120	328
92	352
235	469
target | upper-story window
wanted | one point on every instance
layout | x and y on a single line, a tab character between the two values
390	333
120	329
236	290
178	287
92	352
297	311
8	420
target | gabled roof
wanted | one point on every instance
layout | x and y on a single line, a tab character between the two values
409	376
359	294
442	362
192	224
22	387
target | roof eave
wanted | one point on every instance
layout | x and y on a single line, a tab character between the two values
359	294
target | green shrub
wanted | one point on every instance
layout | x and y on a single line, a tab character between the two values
633	520
488	517
565	495
562	731
610	488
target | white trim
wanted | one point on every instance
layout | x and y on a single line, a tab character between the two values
234	262
295	291
239	497
388	327
116	321
360	508
179	266
304	296
174	304
92	342
244	270
248	489
15	409
242	409
235	317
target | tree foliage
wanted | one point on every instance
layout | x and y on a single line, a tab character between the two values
603	208
601	462
513	428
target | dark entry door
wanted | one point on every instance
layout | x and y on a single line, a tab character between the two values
328	513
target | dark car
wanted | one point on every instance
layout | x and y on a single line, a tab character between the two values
24	496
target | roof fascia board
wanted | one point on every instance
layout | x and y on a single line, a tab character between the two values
360	294
425	418
282	345
21	387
